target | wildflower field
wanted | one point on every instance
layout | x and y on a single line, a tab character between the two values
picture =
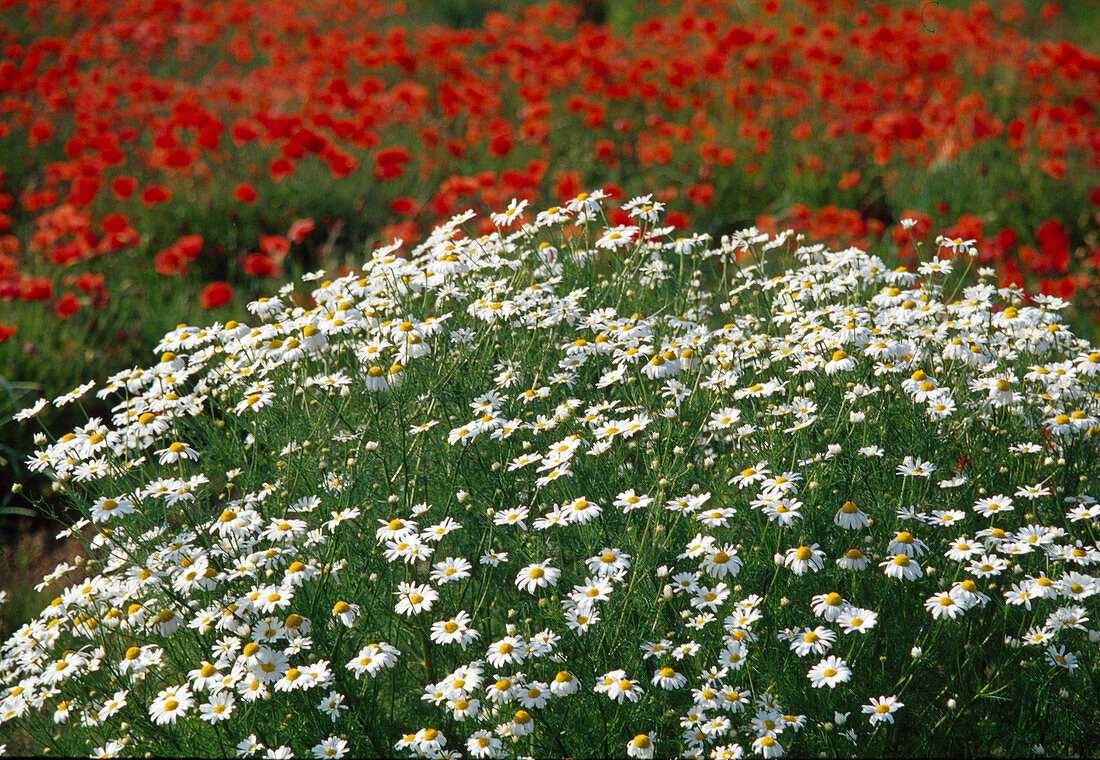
611	379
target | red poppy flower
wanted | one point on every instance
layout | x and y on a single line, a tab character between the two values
180	158
402	206
298	231
66	306
242	132
189	246
40	132
155	194
114	223
260	265
279	169
849	180
275	246
244	193
6	331
88	283
215	294
83	191
170	262
37	289
123	187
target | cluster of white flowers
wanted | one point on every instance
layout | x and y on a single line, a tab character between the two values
450	487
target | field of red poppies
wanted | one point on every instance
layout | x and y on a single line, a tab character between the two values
159	158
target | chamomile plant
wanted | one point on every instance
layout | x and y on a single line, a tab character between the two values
574	488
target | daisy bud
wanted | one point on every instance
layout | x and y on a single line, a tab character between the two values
915	653
951	704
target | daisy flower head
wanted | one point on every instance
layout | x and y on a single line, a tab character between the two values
618	687
804	558
943	604
483	744
176	451
628	501
767	747
610	562
667	678
104	508
1057	656
840	362
901	567
345	613
332	748
915	467
414	598
171	704
720	562
829	606
987	507
564	684
850	517
853	559
457	630
450	569
829	672
582	511
882	709
641	746
857	620
906	543
724	418
813	641
510	649
536	576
